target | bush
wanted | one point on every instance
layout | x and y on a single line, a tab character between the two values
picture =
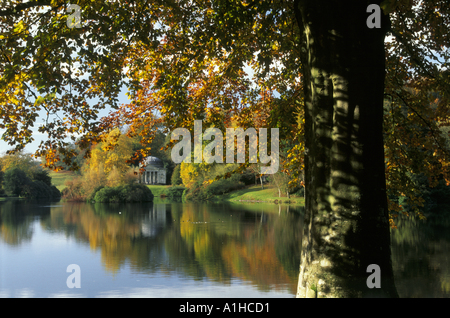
36	189
128	193
175	192
15	180
223	186
91	196
91	180
74	190
42	175
40	190
107	194
55	192
200	192
136	193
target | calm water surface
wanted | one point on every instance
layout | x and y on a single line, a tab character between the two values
149	250
187	250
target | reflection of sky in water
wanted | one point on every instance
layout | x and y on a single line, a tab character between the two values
37	268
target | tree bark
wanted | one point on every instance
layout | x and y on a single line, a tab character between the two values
346	216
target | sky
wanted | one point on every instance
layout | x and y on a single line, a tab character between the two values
38	137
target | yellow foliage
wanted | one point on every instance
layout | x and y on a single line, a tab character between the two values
113	152
115	178
189	173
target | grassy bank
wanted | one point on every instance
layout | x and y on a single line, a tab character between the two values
256	194
158	190
249	194
252	193
58	178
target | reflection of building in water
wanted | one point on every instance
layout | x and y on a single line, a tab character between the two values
154	173
154	221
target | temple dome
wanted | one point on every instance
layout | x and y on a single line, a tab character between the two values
153	162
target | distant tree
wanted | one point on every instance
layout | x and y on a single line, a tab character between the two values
176	177
281	181
256	169
115	151
23	161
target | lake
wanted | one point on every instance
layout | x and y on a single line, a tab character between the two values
170	249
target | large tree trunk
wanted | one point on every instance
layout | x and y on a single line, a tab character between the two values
346	219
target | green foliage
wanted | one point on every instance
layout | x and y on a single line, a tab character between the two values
248	177
176	177
203	192
435	198
175	192
281	181
15	180
91	196
224	186
42	175
128	193
23	161
18	183
107	194
40	190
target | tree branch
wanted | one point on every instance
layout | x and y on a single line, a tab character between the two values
23	6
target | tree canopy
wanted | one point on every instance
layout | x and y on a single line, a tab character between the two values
229	63
186	60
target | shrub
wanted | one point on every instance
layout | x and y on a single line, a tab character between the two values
15	180
42	175
36	189
91	196
175	192
73	190
223	186
107	194
55	192
127	193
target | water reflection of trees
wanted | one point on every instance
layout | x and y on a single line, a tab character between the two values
420	256
16	219
226	242
217	242
257	244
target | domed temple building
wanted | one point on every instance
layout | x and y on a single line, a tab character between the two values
154	173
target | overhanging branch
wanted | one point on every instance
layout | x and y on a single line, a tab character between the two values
23	6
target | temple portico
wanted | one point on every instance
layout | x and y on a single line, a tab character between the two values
154	173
